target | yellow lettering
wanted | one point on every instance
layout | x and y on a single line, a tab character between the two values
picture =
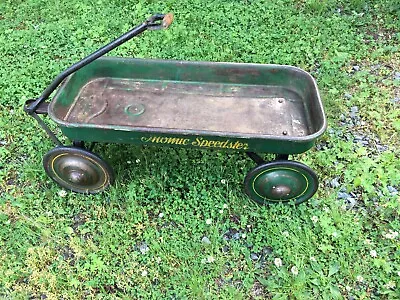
176	141
197	142
154	139
239	145
204	143
225	144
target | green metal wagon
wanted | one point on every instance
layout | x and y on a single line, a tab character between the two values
251	108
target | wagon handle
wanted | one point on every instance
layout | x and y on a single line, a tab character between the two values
155	22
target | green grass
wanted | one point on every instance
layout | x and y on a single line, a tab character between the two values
143	237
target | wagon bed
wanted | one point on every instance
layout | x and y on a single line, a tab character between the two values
248	109
238	100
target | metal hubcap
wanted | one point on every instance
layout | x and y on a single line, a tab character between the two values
281	181
77	169
280	184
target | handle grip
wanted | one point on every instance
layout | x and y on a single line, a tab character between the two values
167	20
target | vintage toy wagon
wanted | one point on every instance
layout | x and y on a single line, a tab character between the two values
253	108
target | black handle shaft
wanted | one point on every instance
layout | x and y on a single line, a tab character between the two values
149	24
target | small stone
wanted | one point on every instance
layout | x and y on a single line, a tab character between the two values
356	68
353	112
143	248
236	236
397	76
343	195
267	251
352	202
395	100
348	96
254	256
335	182
206	240
392	189
381	148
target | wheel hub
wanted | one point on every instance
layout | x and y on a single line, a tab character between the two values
77	169
281	181
280	191
280	184
77	177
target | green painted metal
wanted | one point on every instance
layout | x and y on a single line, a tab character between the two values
187	141
281	181
227	75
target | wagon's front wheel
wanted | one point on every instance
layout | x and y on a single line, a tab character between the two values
280	182
78	170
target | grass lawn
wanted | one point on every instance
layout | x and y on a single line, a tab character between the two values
176	224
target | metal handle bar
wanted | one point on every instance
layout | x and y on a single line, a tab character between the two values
153	23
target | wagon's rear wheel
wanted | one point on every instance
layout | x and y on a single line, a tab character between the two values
78	170
280	182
